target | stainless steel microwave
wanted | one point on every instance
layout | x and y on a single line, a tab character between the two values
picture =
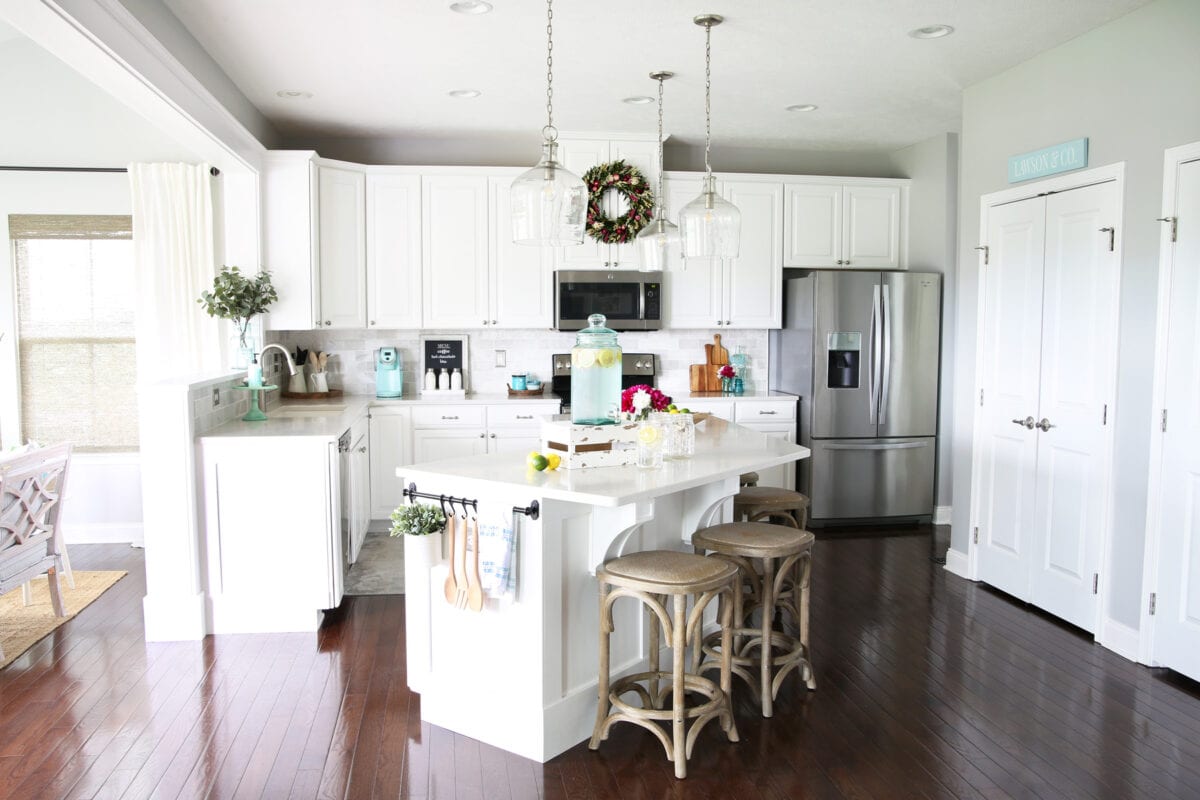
631	301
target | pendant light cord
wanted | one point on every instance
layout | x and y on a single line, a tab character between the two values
707	96
550	133
662	198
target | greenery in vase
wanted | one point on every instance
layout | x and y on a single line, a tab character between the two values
417	520
238	298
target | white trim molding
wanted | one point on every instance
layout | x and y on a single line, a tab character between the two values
1120	638
104	533
941	515
956	563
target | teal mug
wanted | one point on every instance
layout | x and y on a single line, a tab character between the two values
518	383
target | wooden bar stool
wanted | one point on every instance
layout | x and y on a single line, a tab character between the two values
748	479
754	503
651	577
775	566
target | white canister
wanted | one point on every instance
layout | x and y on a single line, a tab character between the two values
297	383
320	382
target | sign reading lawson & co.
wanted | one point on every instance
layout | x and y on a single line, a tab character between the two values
1048	161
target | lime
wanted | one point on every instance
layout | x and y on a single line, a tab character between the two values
537	461
648	435
606	358
553	460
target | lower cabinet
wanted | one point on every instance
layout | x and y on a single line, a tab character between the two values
783	476
774	417
391	446
435	444
356	491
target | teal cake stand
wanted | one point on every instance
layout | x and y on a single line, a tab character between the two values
255	414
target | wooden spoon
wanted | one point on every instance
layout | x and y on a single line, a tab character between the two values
313	361
474	584
325	359
451	583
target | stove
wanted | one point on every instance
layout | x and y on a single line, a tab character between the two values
636	368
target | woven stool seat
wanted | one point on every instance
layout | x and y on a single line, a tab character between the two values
775	565
748	479
662	581
767	502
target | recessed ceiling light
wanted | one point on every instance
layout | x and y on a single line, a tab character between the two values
464	93
802	107
931	32
640	100
471	7
293	94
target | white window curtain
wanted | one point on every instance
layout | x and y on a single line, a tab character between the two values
174	256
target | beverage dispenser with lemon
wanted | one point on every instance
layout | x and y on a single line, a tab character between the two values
595	374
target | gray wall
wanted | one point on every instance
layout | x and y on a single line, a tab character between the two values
1130	87
932	247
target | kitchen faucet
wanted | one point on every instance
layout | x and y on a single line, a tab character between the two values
290	363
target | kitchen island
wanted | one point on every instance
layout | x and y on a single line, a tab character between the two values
522	673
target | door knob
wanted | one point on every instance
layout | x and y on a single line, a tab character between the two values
1045	425
1027	422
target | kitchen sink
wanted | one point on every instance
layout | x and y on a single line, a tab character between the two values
308	410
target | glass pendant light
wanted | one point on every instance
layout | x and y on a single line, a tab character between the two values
548	203
661	233
710	225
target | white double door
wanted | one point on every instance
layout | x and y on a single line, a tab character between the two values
1048	357
1177	500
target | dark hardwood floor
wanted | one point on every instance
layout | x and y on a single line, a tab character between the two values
928	687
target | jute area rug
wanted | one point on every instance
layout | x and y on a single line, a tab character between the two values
21	626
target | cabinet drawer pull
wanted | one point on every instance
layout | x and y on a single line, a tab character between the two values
768	412
449	417
524	416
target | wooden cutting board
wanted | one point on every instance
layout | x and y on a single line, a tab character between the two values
719	354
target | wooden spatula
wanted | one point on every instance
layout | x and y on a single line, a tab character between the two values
474	584
451	583
720	354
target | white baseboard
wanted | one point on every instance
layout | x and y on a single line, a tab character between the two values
1120	638
174	618
941	515
956	562
104	533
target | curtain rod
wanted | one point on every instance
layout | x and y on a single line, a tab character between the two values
212	170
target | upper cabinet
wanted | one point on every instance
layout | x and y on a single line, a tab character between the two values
289	183
341	250
519	277
743	292
454	223
393	251
850	224
580	155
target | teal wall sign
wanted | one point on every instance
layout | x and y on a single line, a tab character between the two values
1048	161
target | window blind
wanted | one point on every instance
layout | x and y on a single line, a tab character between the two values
75	326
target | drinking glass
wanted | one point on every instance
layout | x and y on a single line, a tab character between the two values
651	437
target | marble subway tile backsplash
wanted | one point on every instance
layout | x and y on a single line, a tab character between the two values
352	354
231	403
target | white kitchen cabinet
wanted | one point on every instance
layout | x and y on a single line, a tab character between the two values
435	444
519	277
356	499
393	251
782	476
849	224
517	441
342	260
580	155
272	525
454	258
391	447
743	292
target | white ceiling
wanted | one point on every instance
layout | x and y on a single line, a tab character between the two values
382	68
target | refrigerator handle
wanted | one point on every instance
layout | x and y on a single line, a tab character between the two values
873	360
886	356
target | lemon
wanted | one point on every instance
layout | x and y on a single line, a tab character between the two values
606	358
674	411
553	460
537	461
648	435
584	359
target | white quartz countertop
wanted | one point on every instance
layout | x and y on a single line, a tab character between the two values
756	395
723	449
330	418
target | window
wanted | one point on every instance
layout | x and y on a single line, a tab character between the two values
75	318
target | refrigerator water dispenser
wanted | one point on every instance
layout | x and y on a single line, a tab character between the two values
844	349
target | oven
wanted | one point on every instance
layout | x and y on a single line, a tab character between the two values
630	301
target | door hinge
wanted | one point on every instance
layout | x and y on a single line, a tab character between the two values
1164	421
981	397
1153	602
1104	420
976	538
1095	583
1174	225
1112	235
987	252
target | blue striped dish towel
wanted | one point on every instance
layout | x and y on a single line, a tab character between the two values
498	556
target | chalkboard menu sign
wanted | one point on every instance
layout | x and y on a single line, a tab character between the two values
443	352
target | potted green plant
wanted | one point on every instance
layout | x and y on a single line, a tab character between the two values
417	520
237	297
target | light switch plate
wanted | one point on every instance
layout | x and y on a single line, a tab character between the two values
501	358
216	397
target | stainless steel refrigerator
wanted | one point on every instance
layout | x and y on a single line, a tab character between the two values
861	350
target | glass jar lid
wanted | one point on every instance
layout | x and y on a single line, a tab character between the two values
595	334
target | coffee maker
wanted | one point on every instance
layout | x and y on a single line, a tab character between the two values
389	373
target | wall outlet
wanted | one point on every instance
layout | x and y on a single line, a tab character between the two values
216	397
501	358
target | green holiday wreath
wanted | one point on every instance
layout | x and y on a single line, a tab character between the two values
633	186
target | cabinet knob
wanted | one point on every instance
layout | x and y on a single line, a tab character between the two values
728	322
493	322
327	322
362	449
481	435
372	322
493	436
719	322
485	322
